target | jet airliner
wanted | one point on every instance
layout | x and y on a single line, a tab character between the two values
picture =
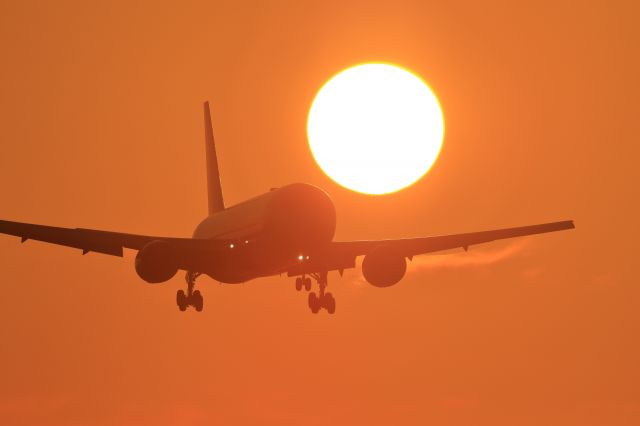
288	230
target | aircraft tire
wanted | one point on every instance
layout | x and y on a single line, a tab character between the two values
181	300
329	303
198	300
298	283
307	283
314	303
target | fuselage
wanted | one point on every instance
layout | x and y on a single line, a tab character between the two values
269	233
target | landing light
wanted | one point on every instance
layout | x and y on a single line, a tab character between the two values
231	245
301	257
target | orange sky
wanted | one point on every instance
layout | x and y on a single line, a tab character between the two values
100	114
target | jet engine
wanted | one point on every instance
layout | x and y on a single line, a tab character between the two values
384	267
155	262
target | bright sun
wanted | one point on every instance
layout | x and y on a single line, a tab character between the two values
375	128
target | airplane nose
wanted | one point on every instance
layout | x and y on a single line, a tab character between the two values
300	216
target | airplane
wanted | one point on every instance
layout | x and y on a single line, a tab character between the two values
288	230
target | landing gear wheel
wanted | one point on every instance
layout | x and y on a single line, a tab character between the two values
329	303
191	297
197	301
181	300
321	299
314	303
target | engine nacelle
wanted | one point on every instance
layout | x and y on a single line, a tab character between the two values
155	262
384	267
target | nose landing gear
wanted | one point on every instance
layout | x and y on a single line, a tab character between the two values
303	282
191	298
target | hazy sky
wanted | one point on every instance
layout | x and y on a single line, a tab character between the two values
101	127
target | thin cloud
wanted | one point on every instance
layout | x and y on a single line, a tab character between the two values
472	258
475	257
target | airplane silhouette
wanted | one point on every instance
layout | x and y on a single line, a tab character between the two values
286	230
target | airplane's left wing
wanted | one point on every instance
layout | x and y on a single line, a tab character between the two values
410	247
341	255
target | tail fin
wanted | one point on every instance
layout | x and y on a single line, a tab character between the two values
214	188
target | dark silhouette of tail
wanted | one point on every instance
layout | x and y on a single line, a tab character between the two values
214	188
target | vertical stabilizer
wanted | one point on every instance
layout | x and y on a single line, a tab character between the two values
214	188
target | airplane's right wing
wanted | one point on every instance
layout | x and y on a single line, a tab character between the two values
111	243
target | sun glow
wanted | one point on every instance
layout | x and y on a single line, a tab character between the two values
375	128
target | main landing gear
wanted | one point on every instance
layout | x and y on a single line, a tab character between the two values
320	300
191	298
